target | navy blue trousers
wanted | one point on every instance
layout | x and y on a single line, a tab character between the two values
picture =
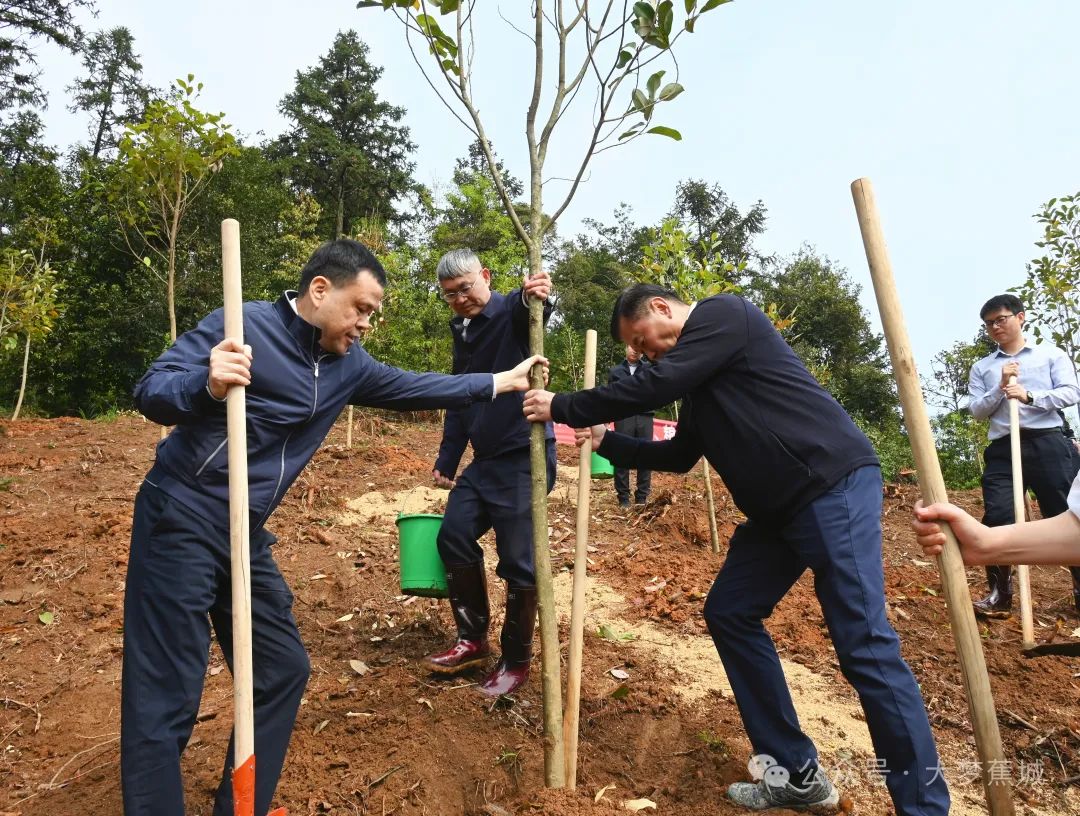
494	492
177	584
1048	466
639	426
838	537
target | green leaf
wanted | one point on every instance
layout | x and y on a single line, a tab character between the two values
644	11
46	618
670	91
622	692
625	56
690	5
711	4
632	132
689	24
640	100
653	83
664	18
449	5
671	133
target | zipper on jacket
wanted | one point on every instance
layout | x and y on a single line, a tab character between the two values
281	469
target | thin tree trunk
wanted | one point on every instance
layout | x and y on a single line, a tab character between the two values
22	385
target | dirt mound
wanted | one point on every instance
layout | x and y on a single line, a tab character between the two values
376	734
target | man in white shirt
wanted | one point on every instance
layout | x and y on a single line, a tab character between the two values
1045	383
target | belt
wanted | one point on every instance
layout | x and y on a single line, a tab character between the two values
1033	433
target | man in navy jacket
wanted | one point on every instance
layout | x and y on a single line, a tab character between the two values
491	332
301	364
810	485
639	426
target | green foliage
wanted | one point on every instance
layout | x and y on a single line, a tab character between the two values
960	441
891	444
692	270
22	24
1051	292
111	91
831	333
165	162
345	147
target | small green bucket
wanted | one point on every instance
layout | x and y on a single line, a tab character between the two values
422	570
601	467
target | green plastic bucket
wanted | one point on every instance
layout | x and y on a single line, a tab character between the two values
601	467
422	570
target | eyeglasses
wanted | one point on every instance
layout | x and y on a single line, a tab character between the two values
450	295
997	322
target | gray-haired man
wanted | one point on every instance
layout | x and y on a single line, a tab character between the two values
494	491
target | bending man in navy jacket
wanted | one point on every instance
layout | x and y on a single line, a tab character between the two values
301	364
491	331
810	485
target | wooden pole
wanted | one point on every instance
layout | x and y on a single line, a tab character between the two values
577	608
348	428
1023	574
236	415
710	503
554	755
932	484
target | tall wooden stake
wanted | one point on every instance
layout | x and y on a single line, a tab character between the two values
950	565
554	756
577	608
1023	573
710	503
236	418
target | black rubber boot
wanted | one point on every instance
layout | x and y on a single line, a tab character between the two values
998	602
1076	587
512	670
469	603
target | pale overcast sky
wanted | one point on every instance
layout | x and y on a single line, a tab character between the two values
962	113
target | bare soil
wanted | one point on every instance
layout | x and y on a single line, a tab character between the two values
394	739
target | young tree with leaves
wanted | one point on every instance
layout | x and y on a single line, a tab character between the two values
604	49
165	162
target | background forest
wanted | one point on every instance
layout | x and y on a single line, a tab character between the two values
110	247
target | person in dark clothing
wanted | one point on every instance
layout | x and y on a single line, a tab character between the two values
301	364
491	331
810	486
1046	383
638	426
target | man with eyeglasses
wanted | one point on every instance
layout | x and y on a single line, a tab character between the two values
1045	384
495	490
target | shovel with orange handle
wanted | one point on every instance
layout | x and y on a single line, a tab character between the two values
243	779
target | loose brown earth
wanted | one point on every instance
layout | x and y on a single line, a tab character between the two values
394	740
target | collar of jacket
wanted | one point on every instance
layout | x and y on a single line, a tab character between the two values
494	301
304	333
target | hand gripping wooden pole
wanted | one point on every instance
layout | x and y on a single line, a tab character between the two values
1023	574
577	608
244	718
953	578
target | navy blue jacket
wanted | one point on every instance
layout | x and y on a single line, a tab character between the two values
497	339
775	436
622	372
297	391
